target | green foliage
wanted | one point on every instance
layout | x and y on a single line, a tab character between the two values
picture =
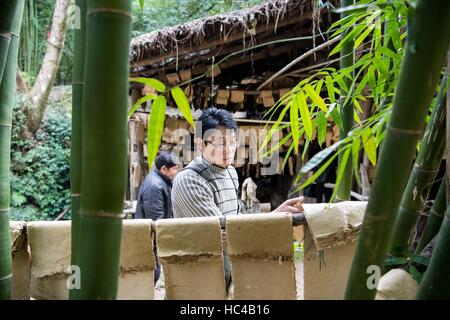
379	39
157	14
40	167
158	112
36	24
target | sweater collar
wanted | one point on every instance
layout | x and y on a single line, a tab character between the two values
212	166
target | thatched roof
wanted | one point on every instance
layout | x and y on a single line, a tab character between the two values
209	32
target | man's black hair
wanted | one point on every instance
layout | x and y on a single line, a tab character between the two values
213	118
165	158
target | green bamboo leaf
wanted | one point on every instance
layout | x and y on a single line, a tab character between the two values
356	117
341	170
420	259
370	146
319	157
318	172
358	106
319	86
295	124
415	274
336	116
183	104
330	88
141	4
278	145
154	83
340	81
372	82
155	128
395	261
305	148
305	115
364	35
315	98
348	38
321	128
276	125
344	24
356	146
286	157
361	85
140	102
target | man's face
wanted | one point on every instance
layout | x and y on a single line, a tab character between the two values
219	146
169	172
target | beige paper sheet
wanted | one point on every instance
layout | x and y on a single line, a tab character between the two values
190	250
397	284
261	251
336	224
20	261
50	246
325	272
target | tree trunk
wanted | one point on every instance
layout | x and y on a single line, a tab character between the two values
420	72
103	147
6	109
21	85
36	100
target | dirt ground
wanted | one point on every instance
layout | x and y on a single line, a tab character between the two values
160	291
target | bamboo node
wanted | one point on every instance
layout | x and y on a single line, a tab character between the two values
77	82
418	133
420	169
76	195
6	125
109	10
413	213
6	35
104	214
432	211
6	277
15	35
7	210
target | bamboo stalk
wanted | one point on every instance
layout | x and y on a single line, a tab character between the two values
75	146
422	176
424	56
6	20
6	106
436	281
347	60
104	147
434	219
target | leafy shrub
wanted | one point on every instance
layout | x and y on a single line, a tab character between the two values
40	182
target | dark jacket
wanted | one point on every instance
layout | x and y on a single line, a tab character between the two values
154	199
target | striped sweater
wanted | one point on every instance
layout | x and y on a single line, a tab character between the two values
203	189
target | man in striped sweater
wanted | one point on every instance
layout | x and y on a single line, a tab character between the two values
209	185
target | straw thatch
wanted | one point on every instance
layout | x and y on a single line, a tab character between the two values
193	37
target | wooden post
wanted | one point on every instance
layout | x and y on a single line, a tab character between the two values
136	149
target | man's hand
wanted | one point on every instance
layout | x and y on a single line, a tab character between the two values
293	205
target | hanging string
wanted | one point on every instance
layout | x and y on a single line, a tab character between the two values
212	80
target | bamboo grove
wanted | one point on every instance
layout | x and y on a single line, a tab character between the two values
10	22
392	42
392	58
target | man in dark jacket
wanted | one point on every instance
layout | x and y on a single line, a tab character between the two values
154	199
